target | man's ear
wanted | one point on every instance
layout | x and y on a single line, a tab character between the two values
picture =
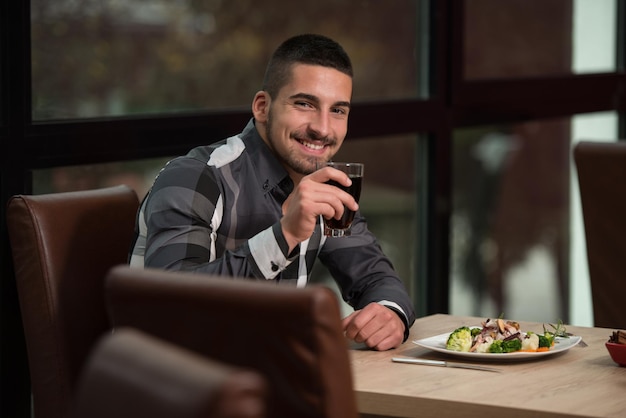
261	106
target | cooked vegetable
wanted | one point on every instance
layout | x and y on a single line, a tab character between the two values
460	340
546	340
500	336
496	347
530	342
502	346
508	346
484	346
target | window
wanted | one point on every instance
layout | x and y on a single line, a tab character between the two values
524	39
111	58
137	174
516	225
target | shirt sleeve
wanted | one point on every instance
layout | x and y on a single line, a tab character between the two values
364	274
182	214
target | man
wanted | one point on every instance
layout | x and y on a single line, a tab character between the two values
250	206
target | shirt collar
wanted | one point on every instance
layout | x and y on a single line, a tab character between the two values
272	176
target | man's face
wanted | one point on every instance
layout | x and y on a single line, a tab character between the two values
308	120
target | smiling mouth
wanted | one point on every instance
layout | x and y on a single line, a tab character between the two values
310	145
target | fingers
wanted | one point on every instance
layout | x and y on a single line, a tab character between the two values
332	194
321	199
375	325
331	174
311	198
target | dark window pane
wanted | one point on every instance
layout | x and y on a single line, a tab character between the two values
517	240
138	175
532	39
511	206
106	58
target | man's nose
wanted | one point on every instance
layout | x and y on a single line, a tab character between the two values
320	124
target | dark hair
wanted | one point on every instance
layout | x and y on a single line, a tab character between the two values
303	49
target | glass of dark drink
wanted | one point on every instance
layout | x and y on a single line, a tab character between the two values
341	227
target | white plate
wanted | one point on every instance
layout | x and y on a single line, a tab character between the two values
438	343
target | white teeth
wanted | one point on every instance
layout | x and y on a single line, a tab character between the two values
312	146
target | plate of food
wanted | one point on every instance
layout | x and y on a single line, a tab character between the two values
498	339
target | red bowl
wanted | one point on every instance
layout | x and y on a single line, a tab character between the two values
617	352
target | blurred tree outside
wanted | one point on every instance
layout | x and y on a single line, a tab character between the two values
111	57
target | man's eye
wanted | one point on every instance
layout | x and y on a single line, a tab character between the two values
340	111
303	104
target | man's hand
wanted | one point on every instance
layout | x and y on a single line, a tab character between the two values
311	198
376	325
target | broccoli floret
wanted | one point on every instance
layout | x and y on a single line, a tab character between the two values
460	340
511	345
546	340
501	346
475	331
496	347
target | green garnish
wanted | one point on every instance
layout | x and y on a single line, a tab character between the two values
559	330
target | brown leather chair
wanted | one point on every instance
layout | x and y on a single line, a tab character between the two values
293	337
133	375
63	245
601	170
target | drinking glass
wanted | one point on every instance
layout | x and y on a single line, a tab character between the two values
341	227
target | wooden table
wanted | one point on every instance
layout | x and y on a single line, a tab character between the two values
583	381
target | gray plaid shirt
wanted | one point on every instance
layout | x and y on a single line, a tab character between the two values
217	211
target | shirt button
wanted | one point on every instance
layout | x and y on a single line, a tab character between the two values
274	266
266	185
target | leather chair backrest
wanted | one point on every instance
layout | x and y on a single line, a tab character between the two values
293	337
63	244
601	170
133	375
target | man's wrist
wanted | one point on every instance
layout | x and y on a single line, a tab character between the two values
291	241
402	319
284	242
